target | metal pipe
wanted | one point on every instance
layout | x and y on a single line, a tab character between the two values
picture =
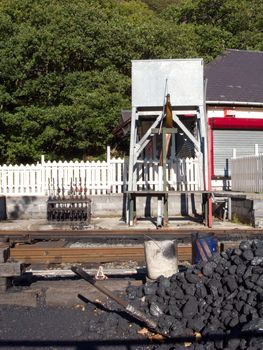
129	308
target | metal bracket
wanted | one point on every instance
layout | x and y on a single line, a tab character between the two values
186	131
144	140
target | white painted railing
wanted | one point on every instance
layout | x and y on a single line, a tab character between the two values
100	177
181	175
247	173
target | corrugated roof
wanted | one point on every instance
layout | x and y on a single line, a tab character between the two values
236	75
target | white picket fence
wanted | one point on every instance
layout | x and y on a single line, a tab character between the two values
100	177
247	173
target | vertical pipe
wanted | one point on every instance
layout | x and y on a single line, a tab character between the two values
159	199
164	156
163	188
210	216
132	186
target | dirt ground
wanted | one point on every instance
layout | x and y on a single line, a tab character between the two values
66	328
90	328
67	314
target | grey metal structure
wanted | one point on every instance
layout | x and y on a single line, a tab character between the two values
73	206
152	81
182	79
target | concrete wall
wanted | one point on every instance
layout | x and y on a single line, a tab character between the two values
248	210
258	213
34	207
26	207
242	210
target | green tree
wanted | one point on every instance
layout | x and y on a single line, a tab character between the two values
158	6
65	65
220	24
65	71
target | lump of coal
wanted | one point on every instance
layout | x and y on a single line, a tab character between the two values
179	294
164	282
208	268
221	296
190	309
192	278
196	324
259	282
150	288
231	283
245	245
177	329
248	254
257	261
259	252
175	311
132	292
233	344
155	310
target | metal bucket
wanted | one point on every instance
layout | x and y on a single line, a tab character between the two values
203	246
161	258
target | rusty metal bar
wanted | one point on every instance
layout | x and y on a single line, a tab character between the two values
131	310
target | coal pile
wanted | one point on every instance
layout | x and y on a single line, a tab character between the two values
221	299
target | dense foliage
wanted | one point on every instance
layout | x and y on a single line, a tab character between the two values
65	65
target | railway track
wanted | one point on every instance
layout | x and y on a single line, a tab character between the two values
101	234
52	246
37	254
31	254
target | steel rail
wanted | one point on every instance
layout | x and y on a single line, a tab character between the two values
29	254
28	235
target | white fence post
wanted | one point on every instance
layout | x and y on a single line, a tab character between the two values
96	177
43	188
247	173
109	170
256	149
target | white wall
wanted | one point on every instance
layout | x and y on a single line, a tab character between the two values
238	112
